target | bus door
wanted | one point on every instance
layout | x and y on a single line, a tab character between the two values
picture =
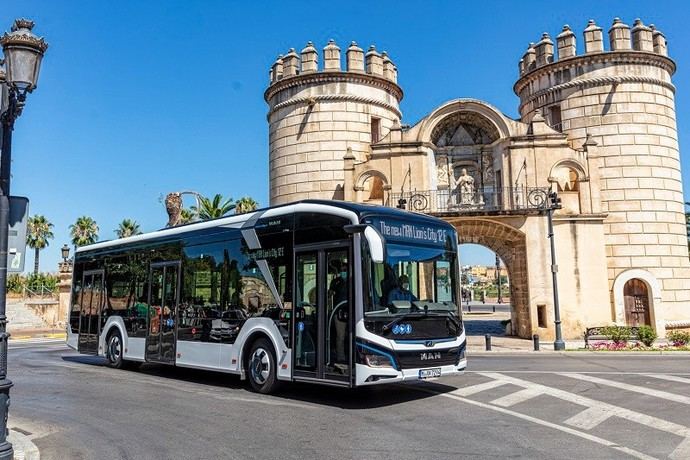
164	282
322	324
91	302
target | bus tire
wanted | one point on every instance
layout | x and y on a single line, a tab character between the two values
114	350
261	366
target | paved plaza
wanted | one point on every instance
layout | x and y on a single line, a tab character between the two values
523	405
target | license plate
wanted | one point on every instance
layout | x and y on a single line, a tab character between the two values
430	373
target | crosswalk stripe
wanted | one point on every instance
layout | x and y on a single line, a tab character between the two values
589	418
626	386
637	417
670	378
682	452
632	452
517	397
467	391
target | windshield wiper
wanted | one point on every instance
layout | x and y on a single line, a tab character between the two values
419	314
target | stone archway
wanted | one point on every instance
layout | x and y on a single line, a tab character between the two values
510	245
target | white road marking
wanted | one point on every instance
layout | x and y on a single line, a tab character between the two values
682	451
626	386
565	429
517	397
467	391
589	418
575	372
671	378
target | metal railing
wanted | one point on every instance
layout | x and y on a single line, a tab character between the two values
481	200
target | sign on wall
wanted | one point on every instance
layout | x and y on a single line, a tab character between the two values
16	247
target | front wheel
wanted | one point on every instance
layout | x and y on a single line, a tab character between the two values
114	350
262	367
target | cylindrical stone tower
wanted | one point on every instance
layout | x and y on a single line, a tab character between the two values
316	115
623	97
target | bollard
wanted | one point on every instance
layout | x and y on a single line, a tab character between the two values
535	339
487	338
469	308
494	308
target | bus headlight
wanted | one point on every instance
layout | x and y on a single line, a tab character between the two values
377	360
374	357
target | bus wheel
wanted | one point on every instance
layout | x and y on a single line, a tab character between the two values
261	367
114	350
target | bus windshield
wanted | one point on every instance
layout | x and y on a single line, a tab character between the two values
413	283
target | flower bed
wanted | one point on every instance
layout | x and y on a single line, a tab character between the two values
637	346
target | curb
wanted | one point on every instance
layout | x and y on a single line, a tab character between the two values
24	448
18	337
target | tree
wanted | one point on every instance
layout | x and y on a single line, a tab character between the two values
187	216
84	231
212	209
127	227
245	204
38	232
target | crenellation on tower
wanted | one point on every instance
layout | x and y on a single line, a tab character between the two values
619	36
310	59
544	50
331	56
642	37
388	67
355	58
594	38
276	73
566	43
659	41
291	64
374	61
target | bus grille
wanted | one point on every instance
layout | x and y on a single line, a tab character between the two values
427	358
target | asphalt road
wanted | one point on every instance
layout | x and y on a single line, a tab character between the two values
520	406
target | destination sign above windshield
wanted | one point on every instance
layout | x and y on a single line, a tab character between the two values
410	232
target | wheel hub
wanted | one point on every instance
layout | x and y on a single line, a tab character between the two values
259	365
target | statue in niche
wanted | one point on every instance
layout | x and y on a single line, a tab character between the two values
443	171
465	186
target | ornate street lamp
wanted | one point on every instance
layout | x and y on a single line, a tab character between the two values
23	52
65	252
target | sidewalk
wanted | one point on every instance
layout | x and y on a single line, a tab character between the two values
23	446
45	333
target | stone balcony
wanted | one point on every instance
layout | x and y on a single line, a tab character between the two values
486	201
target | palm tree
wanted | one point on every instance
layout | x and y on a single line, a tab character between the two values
84	231
37	235
187	216
245	204
212	209
127	227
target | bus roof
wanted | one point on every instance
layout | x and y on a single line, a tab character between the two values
355	212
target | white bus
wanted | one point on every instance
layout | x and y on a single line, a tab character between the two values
318	291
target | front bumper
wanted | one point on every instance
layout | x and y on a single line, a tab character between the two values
375	376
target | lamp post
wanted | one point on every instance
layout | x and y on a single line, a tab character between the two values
498	279
554	203
65	252
23	52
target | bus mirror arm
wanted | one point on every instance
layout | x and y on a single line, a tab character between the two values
354	228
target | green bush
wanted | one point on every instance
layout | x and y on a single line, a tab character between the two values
617	334
16	283
647	335
678	338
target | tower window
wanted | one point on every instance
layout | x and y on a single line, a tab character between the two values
375	130
555	118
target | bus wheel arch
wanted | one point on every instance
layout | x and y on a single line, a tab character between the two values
260	362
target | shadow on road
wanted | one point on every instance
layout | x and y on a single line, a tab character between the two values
344	398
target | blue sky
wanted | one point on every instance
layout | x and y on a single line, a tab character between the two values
139	98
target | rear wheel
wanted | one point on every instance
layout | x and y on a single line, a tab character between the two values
261	367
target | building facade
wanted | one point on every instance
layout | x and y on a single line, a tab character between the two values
596	125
